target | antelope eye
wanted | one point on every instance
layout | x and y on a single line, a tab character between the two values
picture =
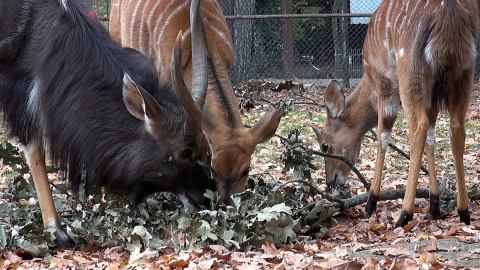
324	147
186	153
246	171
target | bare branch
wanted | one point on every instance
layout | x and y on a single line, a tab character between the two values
344	159
394	147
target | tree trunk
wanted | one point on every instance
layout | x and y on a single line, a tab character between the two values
288	52
227	7
340	36
242	34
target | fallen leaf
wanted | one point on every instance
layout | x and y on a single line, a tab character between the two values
431	247
404	264
427	257
375	227
270	248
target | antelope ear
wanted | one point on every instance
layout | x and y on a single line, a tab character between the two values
139	102
264	129
334	99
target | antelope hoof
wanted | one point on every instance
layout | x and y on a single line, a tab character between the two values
434	207
464	216
404	219
371	205
63	240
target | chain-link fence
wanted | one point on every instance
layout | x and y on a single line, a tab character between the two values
311	41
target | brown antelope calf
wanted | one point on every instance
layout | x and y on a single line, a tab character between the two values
420	54
151	26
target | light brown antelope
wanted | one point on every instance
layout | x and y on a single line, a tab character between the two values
151	26
419	55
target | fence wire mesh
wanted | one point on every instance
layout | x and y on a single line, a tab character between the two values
311	41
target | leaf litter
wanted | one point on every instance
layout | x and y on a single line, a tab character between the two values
278	223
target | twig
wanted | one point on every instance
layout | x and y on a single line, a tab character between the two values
266	100
306	103
394	147
312	100
344	159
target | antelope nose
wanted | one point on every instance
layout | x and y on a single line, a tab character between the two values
227	187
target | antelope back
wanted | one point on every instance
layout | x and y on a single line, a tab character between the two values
432	37
151	26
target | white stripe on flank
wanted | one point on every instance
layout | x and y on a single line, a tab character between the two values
398	9
218	31
388	23
426	4
143	47
159	23
153	12
123	18
166	22
414	11
133	20
186	33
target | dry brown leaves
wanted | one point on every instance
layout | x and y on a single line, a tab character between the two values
353	243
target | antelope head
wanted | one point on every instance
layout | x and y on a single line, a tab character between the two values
338	136
217	114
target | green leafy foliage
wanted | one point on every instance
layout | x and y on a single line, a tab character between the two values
266	211
296	157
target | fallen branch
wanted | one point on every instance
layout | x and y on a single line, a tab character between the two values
311	99
386	195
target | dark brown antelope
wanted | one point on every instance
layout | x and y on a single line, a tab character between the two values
152	27
66	90
419	55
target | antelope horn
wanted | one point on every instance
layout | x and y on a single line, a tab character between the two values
192	102
194	113
199	56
